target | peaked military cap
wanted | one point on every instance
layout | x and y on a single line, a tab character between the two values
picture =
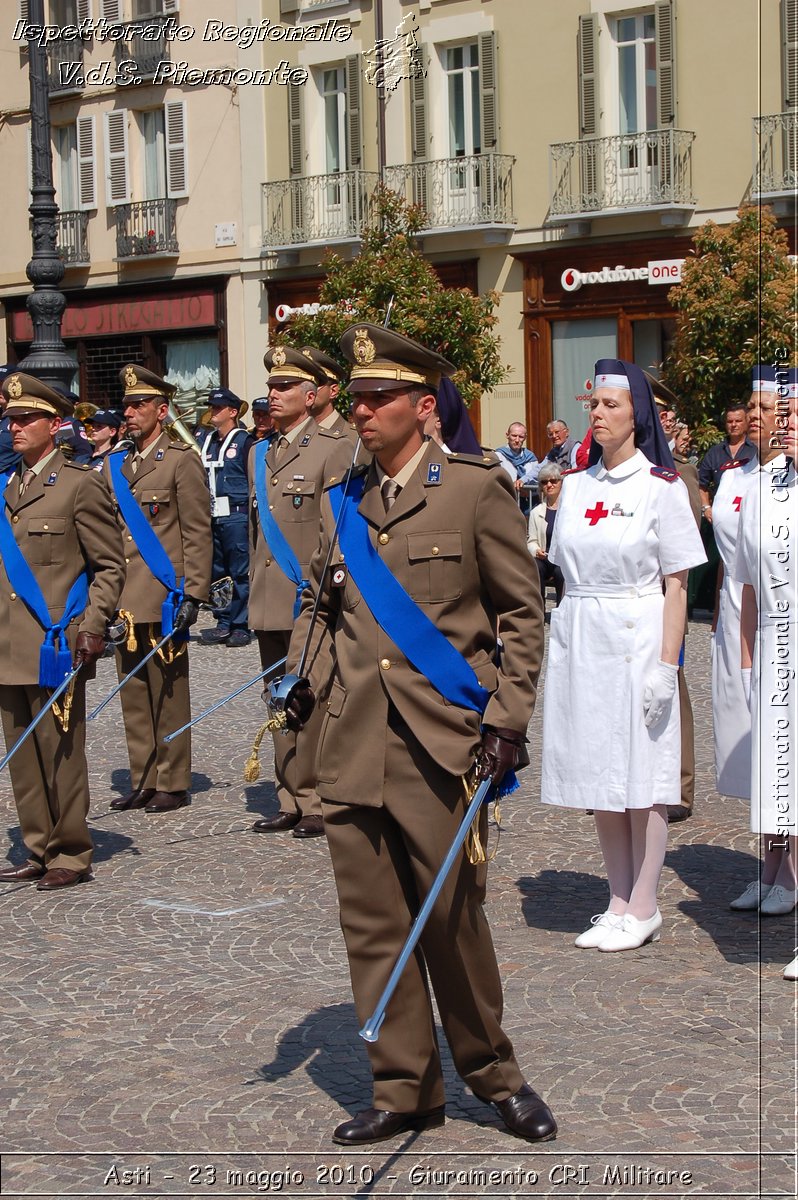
222	397
663	396
290	366
383	360
27	395
333	370
141	384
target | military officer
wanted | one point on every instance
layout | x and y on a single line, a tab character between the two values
324	411
399	735
225	453
160	489
58	519
288	476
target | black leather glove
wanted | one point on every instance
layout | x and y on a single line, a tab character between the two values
301	702
88	648
186	614
502	750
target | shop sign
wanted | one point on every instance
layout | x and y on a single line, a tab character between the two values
143	315
665	270
660	271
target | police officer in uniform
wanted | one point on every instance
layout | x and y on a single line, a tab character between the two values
394	749
324	411
60	516
105	426
168	485
288	477
261	418
225	453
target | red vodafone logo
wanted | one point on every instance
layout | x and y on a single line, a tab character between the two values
571	279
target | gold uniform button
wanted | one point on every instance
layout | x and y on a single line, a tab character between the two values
13	595
341	558
15	519
383	539
45	526
385	663
288	487
274	480
127	560
130	537
435	550
268	562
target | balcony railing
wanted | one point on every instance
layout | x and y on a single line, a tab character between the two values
775	155
65	67
316	209
145	53
633	172
146	229
457	193
72	242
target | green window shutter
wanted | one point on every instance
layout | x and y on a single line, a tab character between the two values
117	183
587	51
354	112
789	48
664	18
488	83
419	141
296	147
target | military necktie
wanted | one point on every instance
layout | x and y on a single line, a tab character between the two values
390	490
28	477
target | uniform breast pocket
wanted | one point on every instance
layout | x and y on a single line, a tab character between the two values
156	504
435	565
299	500
45	541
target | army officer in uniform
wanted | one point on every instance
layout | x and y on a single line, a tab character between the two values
394	747
167	483
59	516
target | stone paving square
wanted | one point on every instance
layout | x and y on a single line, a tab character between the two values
182	1025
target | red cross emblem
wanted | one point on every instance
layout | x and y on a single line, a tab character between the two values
737	501
594	515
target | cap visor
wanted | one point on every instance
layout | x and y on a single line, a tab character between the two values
380	385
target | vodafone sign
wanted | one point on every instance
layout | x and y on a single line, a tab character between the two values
667	271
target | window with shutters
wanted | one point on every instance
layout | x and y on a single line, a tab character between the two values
636	109
461	70
65	155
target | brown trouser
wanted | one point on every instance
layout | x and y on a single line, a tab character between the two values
294	754
384	861
155	702
49	777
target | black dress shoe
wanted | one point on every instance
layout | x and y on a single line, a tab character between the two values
133	800
376	1125
678	812
277	823
239	637
311	826
166	802
526	1115
21	874
214	637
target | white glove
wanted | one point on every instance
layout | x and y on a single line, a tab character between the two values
658	692
745	672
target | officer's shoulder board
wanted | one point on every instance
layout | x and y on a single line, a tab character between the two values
334	480
335	434
735	462
181	446
473	460
665	473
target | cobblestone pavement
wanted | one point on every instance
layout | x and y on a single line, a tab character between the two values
183	1025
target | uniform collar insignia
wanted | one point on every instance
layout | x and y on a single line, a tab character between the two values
305	440
433	473
159	454
51	478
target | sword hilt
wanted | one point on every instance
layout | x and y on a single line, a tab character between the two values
278	696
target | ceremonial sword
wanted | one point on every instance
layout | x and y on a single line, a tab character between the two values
195	720
59	691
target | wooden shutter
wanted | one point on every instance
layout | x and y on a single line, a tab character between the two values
488	81
789	51
296	146
354	112
87	173
176	149
117	182
170	7
419	137
23	14
84	10
665	33
588	53
111	10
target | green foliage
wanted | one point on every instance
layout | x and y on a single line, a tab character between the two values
735	307
450	320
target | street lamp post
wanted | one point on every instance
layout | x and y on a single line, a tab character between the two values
47	359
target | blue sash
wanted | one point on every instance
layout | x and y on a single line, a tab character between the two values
287	561
155	557
53	664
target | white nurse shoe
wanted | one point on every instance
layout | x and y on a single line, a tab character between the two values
752	897
633	933
779	900
600	926
791	970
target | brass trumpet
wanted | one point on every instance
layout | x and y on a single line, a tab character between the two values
177	429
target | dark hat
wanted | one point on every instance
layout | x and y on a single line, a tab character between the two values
663	396
5	369
222	397
289	365
26	394
792	383
383	360
763	378
650	437
456	428
141	384
261	404
333	370
107	416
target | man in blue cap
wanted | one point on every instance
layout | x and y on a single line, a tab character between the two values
224	456
262	419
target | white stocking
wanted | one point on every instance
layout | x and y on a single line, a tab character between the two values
649	843
615	838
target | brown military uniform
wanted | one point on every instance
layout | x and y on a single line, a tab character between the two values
392	752
295	480
63	522
171	487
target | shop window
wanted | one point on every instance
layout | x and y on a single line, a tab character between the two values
651	341
575	347
193	366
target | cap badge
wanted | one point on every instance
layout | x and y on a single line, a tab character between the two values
278	358
15	387
364	349
131	378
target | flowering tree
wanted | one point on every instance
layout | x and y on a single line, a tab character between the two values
452	321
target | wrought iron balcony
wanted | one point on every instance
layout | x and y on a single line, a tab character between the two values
634	172
146	230
775	156
145	53
65	71
457	193
313	209
72	242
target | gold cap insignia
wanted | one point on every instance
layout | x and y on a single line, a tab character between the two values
364	349
278	358
131	378
14	387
